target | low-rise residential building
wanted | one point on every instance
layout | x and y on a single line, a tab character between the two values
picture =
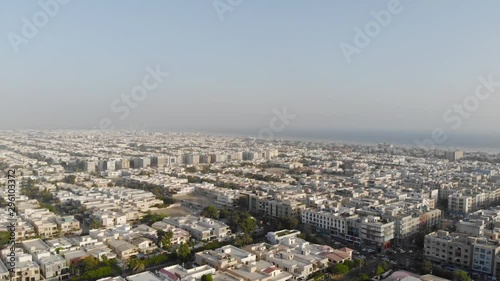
179	273
144	245
25	268
280	236
123	249
52	266
67	225
203	229
225	257
260	271
144	276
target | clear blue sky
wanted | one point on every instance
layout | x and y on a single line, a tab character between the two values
263	55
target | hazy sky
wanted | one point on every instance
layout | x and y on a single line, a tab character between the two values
232	71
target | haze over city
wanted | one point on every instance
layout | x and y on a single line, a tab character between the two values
229	69
249	140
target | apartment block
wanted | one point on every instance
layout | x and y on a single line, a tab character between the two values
335	222
454	155
376	230
191	159
275	208
483	259
449	248
459	204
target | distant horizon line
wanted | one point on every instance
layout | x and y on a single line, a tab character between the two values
469	142
248	129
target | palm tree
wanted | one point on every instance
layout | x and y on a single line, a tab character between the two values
139	267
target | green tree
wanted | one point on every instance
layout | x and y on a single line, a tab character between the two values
461	275
363	277
248	225
350	264
359	262
243	239
380	270
49	207
207	277
139	267
159	234
89	263
4	238
340	269
386	266
289	223
95	224
184	252
224	213
210	212
166	240
3	203
70	179
105	260
427	267
151	218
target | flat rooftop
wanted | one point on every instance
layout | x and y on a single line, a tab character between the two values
118	278
144	276
35	245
